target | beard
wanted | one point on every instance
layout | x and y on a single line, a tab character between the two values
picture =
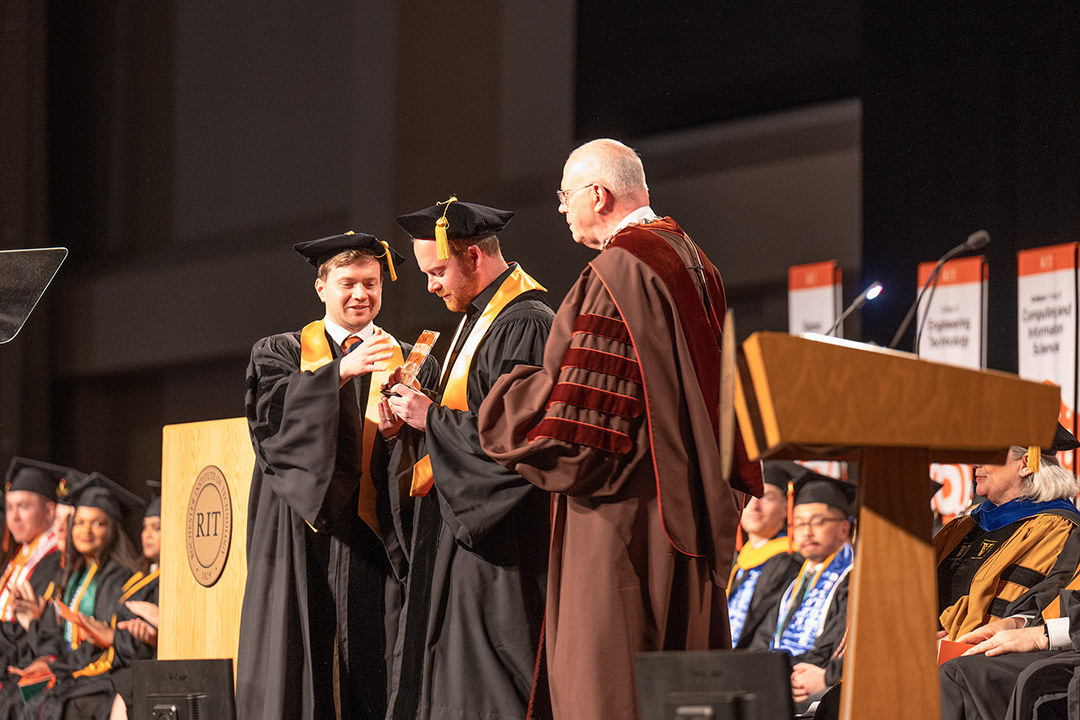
459	297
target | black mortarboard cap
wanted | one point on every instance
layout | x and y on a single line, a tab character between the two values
319	251
463	220
52	481
153	509
815	488
1064	440
100	492
781	472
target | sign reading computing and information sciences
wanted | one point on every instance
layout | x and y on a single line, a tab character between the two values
954	332
1046	304
209	526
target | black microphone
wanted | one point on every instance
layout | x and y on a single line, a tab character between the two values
976	241
864	297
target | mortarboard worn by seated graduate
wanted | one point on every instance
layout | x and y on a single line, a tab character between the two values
815	488
782	472
52	481
808	486
100	492
153	509
1063	441
316	252
454	220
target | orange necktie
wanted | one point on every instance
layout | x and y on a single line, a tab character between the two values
348	342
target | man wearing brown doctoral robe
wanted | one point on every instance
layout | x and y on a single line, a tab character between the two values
621	421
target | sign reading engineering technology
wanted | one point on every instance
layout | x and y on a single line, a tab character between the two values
209	526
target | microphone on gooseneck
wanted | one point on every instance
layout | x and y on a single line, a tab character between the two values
976	241
864	297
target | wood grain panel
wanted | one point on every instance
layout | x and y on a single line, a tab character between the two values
197	621
812	392
890	666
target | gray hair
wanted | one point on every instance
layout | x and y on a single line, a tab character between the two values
1051	482
616	166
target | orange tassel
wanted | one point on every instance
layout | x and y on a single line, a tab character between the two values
7	534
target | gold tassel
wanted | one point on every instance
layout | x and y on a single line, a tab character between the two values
442	243
1034	455
389	261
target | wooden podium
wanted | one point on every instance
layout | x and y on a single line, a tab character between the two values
802	399
199	621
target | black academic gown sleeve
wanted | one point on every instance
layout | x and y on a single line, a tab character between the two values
476	493
14	645
303	535
779	572
46	633
1036	599
107	674
478	564
395	460
293	417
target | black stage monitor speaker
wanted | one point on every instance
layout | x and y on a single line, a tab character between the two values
183	690
714	685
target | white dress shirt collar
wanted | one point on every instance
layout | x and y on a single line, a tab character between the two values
338	333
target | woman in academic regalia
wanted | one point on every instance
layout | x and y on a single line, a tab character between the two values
989	560
1006	545
90	690
99	560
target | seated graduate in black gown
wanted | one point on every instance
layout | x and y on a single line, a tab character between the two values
99	559
89	691
33	494
766	563
810	623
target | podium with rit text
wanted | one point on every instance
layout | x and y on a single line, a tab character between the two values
800	398
205	478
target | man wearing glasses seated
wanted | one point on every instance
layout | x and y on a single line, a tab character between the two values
810	622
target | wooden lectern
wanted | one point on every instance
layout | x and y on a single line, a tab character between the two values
805	398
199	621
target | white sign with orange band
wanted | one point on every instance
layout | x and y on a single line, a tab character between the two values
1046	303
814	297
954	331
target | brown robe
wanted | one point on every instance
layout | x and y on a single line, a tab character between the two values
621	421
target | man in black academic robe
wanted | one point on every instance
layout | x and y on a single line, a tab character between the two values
478	552
30	497
765	565
810	622
319	585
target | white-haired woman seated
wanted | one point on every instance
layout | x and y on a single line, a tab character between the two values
1007	545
